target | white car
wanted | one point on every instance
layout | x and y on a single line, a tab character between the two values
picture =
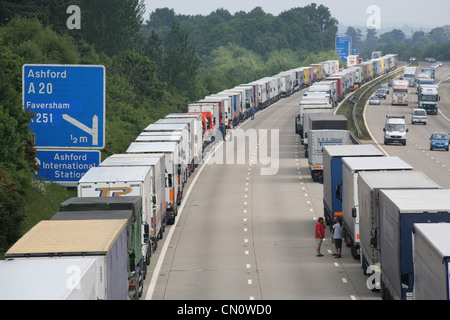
419	116
374	100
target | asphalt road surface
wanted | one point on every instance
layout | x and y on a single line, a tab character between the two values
245	230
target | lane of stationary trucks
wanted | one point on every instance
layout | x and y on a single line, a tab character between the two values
393	215
99	245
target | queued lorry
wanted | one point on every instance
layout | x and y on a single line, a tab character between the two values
431	254
174	129
174	175
43	278
195	140
129	208
317	139
161	137
332	174
351	167
128	182
369	185
91	251
399	211
197	130
317	102
157	163
321	121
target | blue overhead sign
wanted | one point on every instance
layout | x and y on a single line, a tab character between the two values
343	47
68	102
65	166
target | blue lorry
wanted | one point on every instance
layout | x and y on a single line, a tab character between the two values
332	174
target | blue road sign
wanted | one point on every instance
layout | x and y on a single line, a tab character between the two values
343	47
68	102
66	166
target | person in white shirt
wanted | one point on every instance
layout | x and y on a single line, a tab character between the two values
337	236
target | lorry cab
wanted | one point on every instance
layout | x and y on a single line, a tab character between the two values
395	130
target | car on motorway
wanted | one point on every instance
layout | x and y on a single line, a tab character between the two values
381	93
385	86
439	140
374	100
419	116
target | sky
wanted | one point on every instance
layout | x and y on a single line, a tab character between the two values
378	13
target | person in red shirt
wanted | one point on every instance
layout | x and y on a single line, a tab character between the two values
319	235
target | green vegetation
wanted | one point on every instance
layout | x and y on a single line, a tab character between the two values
361	97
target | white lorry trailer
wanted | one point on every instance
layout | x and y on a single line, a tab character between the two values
351	167
128	181
431	254
198	134
369	185
173	181
105	241
158	166
48	279
409	74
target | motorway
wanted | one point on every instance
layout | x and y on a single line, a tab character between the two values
245	230
436	163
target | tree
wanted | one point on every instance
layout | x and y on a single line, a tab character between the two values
371	42
327	24
356	37
180	61
112	25
140	72
153	49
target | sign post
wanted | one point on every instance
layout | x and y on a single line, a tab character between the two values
343	47
65	167
68	102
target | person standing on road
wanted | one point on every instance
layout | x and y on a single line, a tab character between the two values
222	130
337	236
231	129
252	111
319	235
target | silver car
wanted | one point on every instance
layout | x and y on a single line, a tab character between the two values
419	116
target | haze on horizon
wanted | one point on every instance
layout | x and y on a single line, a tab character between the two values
414	13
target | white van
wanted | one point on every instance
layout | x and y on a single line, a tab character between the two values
395	130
